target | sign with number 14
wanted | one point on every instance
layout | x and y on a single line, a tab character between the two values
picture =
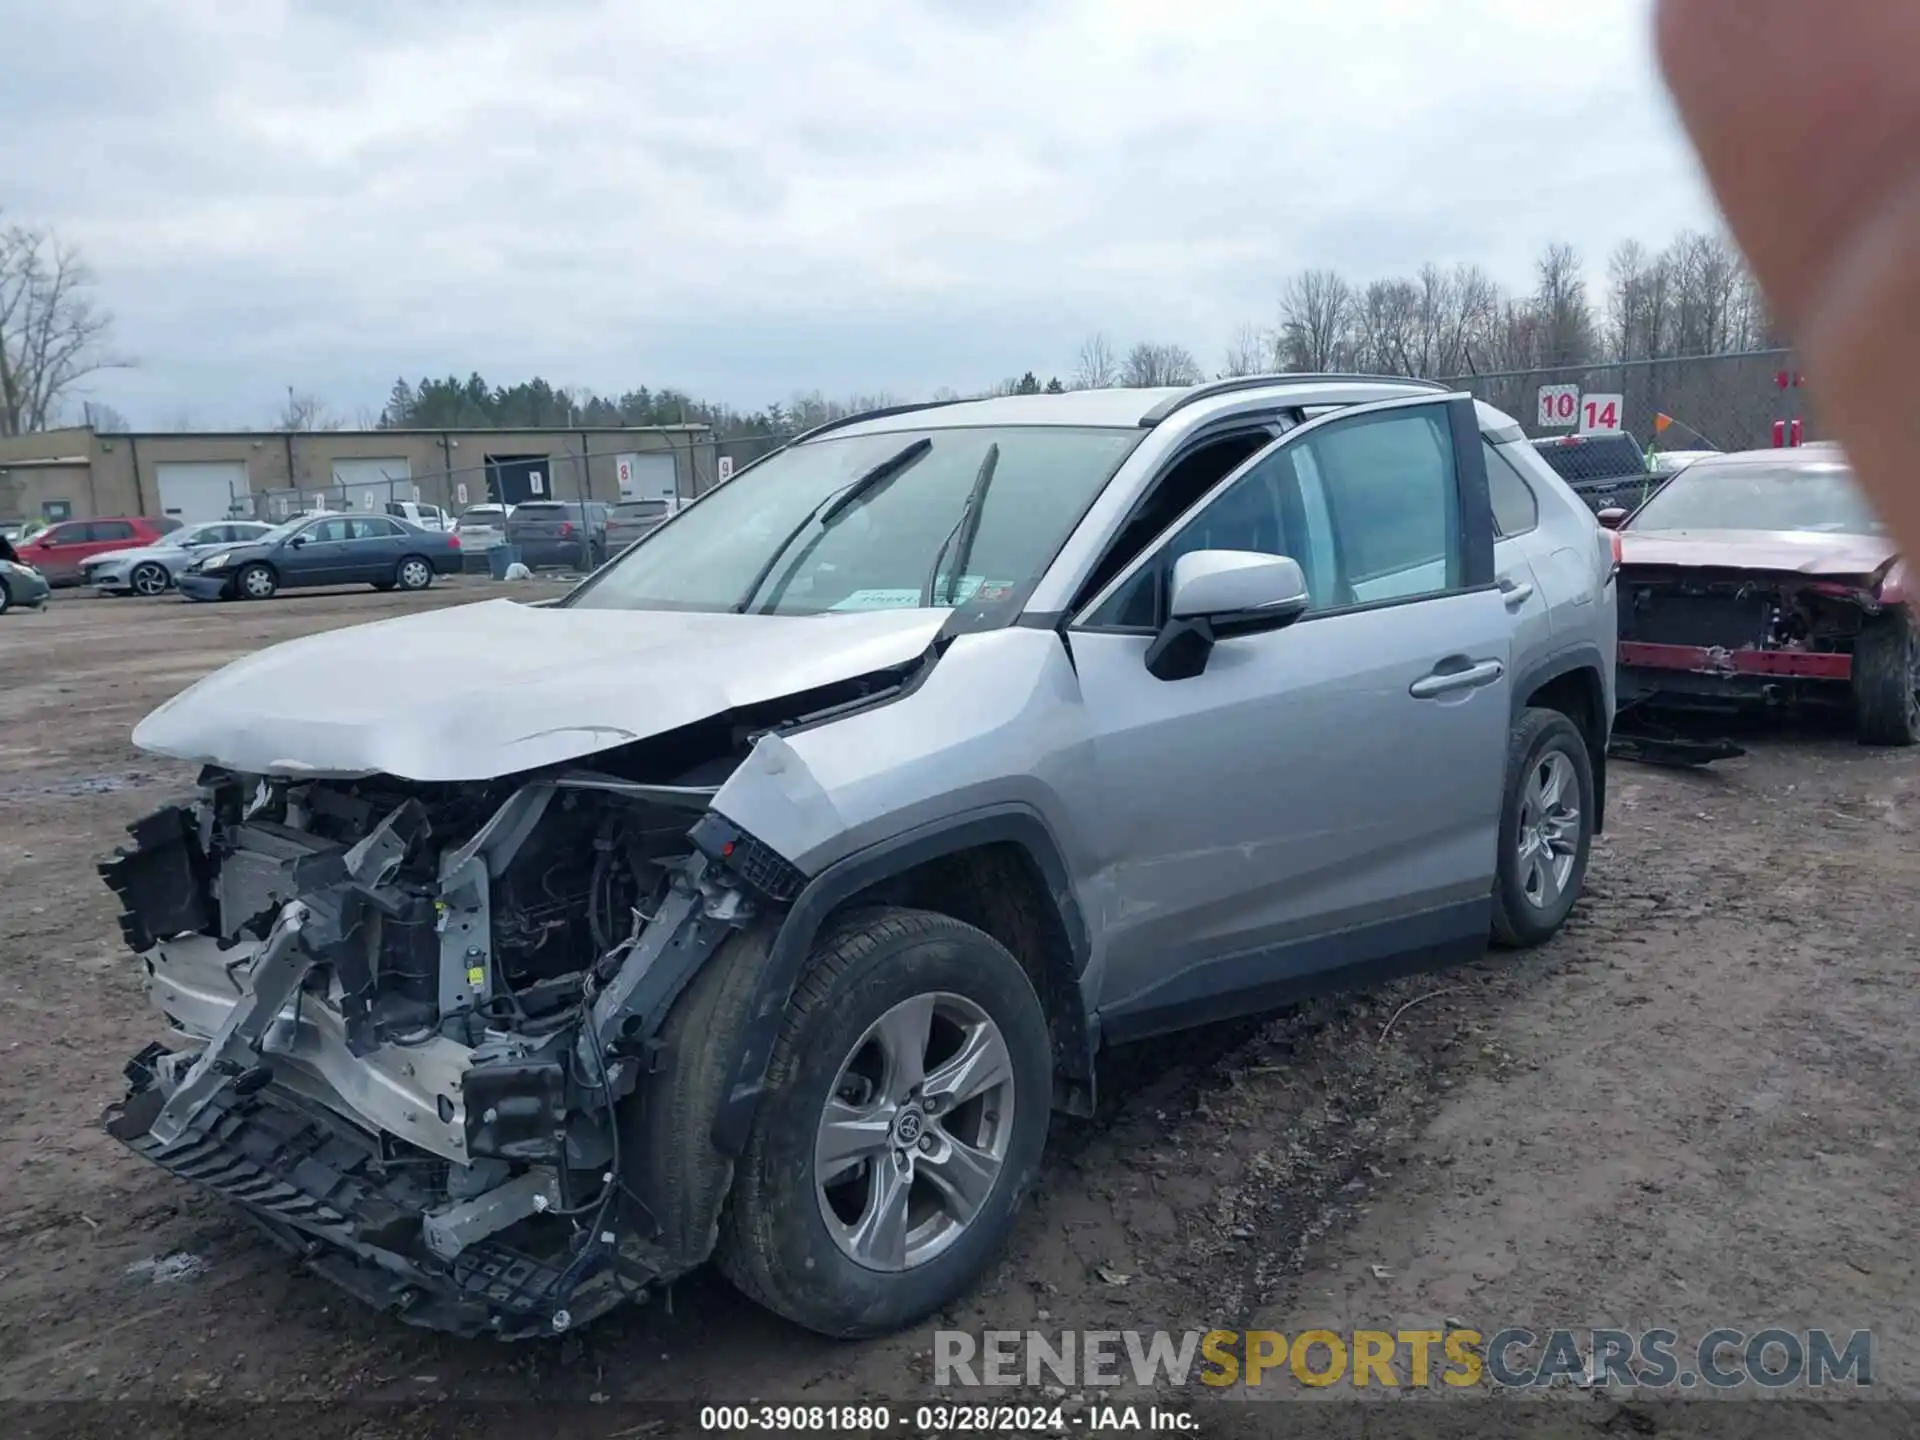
1602	414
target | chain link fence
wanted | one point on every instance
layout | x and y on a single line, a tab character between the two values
1746	401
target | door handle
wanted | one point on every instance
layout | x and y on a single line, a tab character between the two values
1515	592
1445	682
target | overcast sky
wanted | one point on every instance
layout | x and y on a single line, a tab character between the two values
744	198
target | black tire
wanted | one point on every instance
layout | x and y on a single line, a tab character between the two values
6	598
155	578
414	572
1886	681
1522	917
383	585
774	1242
256	582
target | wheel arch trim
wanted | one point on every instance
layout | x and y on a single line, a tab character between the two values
1017	824
1584	655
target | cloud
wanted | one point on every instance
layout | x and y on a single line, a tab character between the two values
745	197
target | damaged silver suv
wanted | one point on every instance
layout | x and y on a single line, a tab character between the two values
762	898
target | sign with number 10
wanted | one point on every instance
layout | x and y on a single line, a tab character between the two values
1559	407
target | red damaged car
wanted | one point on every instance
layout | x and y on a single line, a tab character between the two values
1765	578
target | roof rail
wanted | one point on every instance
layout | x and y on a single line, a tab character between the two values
882	413
1254	382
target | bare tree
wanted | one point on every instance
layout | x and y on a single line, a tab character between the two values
1315	320
1247	352
1097	367
1151	365
1386	327
51	333
1565	332
305	411
103	418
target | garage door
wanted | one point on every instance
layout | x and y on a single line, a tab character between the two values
646	477
192	491
370	484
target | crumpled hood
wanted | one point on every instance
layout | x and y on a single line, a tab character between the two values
1799	552
479	691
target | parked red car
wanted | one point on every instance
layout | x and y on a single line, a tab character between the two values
59	551
1765	578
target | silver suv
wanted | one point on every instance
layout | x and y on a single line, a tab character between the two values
763	897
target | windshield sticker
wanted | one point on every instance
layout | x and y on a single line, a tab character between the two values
966	588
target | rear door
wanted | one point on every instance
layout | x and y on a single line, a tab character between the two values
1321	797
373	548
1516	517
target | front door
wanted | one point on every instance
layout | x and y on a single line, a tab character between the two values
1322	796
320	554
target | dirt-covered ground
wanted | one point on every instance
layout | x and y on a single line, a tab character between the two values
1696	1109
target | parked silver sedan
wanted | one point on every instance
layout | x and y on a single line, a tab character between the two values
152	569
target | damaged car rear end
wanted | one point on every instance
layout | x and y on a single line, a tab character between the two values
1764	579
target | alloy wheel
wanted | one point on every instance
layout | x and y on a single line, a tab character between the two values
148	580
1549	839
914	1134
415	575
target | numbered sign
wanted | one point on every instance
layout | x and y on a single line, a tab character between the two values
460	492
1559	407
726	467
536	482
1602	414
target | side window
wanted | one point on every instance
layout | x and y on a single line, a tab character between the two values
109	530
1395	501
373	529
1369	507
64	534
326	530
1515	508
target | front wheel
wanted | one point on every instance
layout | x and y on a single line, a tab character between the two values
906	1111
148	579
414	573
256	582
1546	828
6	598
1886	681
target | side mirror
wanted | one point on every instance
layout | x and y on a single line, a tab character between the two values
1612	516
1218	594
297	541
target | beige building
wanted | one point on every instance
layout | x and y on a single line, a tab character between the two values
81	473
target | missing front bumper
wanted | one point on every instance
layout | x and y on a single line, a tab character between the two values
356	1215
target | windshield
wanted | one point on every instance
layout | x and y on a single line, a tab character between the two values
771	530
1709	496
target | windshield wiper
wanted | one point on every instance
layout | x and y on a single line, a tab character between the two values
835	505
966	528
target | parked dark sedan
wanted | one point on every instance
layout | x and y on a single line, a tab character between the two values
559	532
374	550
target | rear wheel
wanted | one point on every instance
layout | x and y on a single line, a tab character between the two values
414	573
1546	828
256	582
1886	681
905	1114
148	579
